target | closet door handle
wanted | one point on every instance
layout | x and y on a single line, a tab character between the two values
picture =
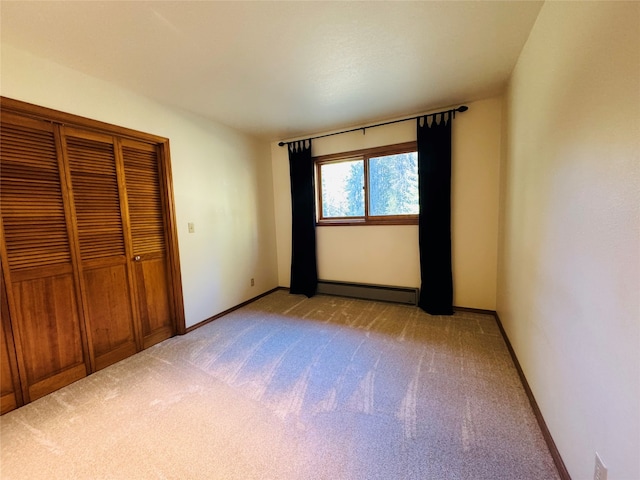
136	258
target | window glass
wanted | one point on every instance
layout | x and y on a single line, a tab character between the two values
342	189
393	184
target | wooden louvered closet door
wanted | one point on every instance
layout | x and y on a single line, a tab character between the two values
41	286
89	263
99	222
148	239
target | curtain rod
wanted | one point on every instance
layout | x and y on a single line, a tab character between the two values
461	108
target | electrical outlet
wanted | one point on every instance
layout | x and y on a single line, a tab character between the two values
601	470
191	227
253	282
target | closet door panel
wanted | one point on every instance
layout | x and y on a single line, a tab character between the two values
148	239
8	397
99	219
155	308
109	309
50	332
44	315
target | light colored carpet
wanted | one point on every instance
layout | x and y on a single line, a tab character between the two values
293	388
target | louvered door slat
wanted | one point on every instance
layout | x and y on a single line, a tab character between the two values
145	200
32	203
96	198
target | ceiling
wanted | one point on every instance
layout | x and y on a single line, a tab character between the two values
284	69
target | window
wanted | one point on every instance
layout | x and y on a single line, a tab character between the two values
367	187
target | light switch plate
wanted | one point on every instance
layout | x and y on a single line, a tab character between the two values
191	227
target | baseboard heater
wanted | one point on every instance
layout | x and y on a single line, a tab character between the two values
406	295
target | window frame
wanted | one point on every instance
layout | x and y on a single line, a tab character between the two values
364	155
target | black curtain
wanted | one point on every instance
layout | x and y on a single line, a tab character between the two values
434	185
304	272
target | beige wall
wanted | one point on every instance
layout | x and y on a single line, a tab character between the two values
388	255
569	269
221	178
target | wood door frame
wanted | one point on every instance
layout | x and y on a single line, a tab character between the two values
166	180
9	339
